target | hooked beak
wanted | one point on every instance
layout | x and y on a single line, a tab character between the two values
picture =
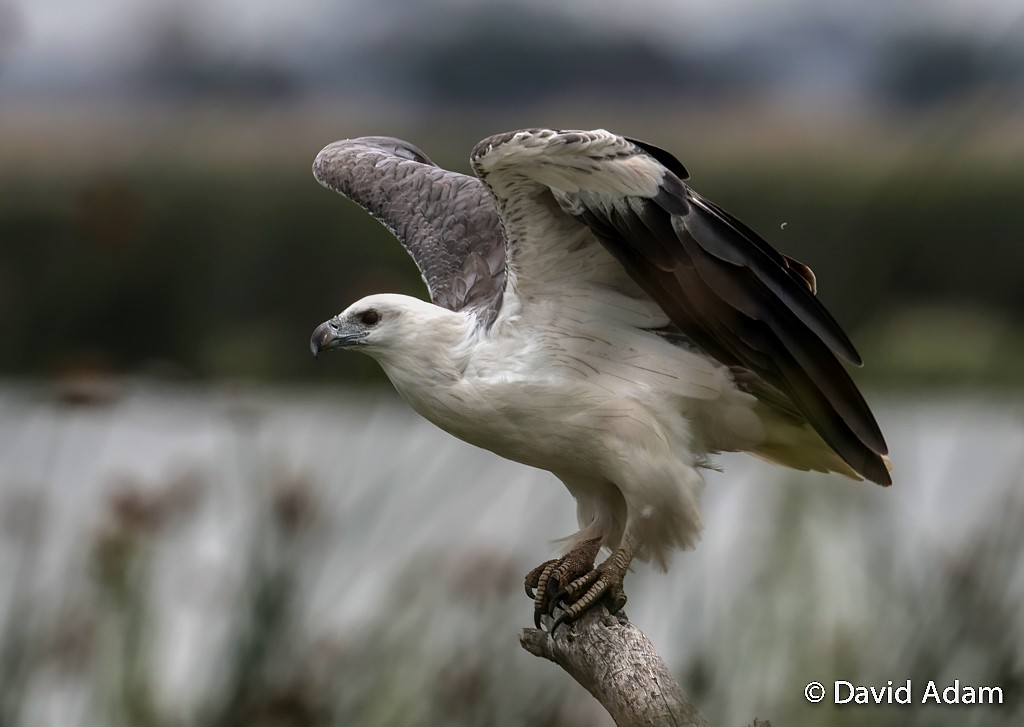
335	334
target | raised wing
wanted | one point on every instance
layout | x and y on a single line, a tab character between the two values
721	284
446	221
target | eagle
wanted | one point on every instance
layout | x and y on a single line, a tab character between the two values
592	315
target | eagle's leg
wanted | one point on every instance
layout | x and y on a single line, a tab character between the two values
548	578
606	578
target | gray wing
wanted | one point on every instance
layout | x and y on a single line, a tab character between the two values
446	221
719	283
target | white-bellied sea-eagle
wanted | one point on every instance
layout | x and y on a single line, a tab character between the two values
594	316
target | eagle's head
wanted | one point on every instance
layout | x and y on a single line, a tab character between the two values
397	330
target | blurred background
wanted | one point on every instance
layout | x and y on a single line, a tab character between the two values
200	525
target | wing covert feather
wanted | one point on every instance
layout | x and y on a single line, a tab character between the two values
446	221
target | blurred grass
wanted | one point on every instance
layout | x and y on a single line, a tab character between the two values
227	593
200	246
437	650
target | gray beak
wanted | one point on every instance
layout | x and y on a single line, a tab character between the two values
335	334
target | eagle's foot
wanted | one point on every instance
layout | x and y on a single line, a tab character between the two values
548	578
603	581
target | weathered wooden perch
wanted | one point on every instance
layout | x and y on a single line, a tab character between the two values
613	660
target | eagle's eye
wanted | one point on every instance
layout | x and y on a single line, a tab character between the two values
369	317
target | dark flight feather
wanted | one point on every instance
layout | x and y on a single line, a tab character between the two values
740	300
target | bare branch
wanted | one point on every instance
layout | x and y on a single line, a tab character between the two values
615	662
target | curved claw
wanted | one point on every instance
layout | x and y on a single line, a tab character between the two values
617	605
563	618
553	587
558	599
536	619
529	592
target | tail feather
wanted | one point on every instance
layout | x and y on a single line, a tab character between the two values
795	444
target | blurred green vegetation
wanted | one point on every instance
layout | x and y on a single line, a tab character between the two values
222	270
